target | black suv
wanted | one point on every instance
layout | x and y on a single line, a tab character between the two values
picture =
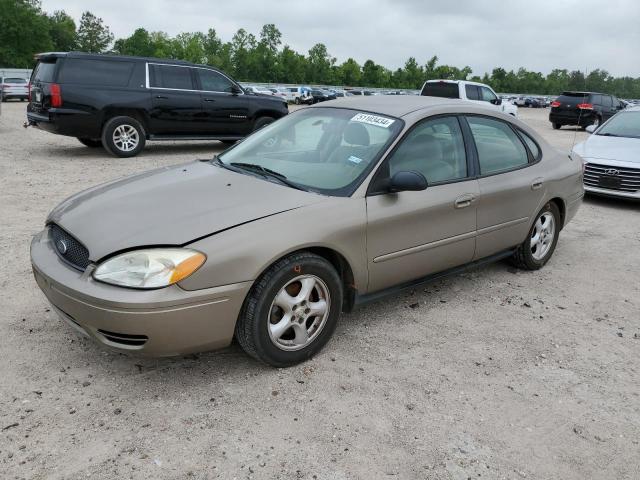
120	102
583	109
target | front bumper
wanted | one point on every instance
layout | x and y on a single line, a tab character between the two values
606	192
163	322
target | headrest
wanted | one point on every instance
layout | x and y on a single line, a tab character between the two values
356	134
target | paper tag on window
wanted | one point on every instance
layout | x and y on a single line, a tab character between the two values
373	120
354	159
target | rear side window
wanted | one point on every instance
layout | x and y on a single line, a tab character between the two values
108	73
606	101
472	92
596	99
533	146
44	71
169	76
441	89
498	146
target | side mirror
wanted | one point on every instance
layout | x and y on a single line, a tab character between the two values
497	101
591	128
236	90
407	182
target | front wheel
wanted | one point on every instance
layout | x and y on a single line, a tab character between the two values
291	311
123	137
541	242
297	100
556	126
262	122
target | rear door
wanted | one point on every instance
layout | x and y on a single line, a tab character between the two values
511	182
176	105
224	112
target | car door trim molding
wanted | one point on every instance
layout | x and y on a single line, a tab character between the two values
425	246
498	226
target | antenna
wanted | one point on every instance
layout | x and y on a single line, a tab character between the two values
575	132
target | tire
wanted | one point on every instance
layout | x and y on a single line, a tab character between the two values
530	257
297	101
124	126
90	142
556	126
256	329
262	122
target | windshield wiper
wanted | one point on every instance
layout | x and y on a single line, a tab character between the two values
267	173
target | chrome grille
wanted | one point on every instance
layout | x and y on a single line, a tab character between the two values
613	178
68	248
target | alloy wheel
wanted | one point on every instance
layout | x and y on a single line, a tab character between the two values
125	138
542	236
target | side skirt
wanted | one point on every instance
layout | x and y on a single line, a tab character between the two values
372	297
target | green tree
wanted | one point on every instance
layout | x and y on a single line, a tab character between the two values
24	31
140	44
93	35
62	30
349	73
319	65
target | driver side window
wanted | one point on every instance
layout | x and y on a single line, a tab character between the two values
434	148
487	95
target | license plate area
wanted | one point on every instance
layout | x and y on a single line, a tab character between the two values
607	181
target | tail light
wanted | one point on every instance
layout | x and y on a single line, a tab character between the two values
56	95
555	103
585	106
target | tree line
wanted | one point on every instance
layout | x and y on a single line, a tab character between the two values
25	29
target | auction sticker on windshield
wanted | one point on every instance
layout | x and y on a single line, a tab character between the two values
373	120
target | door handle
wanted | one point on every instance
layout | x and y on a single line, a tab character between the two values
162	97
464	201
537	183
209	99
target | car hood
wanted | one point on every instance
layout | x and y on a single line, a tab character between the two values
621	149
171	206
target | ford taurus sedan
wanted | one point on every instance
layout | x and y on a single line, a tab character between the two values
612	156
322	210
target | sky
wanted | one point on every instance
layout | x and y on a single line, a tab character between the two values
539	35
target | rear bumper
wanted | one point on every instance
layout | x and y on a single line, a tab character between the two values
583	120
65	121
163	322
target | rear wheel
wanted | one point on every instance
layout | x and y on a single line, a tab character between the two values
556	126
297	100
541	242
291	311
123	136
90	142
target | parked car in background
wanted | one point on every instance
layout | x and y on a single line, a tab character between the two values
282	93
472	91
312	215
533	102
319	95
14	87
583	109
259	90
612	156
301	95
331	95
120	102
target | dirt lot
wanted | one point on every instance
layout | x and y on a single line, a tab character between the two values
493	374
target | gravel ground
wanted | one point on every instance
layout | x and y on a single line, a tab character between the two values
494	374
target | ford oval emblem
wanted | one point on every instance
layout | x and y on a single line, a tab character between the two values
61	245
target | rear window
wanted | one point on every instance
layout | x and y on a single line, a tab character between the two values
45	71
110	73
573	98
441	89
15	80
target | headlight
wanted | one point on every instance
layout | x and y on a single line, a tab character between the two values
152	268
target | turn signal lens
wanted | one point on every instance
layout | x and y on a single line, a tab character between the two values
152	268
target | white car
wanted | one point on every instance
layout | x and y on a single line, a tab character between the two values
611	156
260	90
14	87
472	91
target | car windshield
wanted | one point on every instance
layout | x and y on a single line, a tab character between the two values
326	150
624	124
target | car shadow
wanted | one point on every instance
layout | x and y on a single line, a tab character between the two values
160	149
612	202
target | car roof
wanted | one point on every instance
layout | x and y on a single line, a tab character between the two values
391	105
102	56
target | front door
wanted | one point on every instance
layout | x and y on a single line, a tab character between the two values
414	234
511	185
176	107
224	112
